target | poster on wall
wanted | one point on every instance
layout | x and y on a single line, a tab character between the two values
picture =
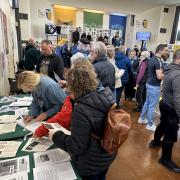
118	23
93	20
3	23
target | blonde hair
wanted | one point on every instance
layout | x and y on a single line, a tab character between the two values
99	47
145	54
28	78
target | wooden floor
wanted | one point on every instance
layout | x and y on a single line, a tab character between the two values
135	161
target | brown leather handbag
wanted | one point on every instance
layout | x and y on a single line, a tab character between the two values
116	131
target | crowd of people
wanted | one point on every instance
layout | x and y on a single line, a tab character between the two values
76	87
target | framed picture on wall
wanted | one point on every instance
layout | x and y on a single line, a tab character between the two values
3	22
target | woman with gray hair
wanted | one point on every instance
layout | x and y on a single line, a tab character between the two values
142	75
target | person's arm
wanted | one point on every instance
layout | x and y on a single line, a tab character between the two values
129	66
59	69
63	118
176	94
159	70
35	108
142	70
78	142
56	97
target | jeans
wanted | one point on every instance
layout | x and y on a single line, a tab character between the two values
152	98
100	176
119	93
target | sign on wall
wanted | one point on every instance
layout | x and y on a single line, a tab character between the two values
93	20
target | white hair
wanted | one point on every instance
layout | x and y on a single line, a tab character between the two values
145	54
99	47
76	57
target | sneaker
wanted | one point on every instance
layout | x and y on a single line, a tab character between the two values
151	128
154	144
142	121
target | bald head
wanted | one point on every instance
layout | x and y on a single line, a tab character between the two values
31	41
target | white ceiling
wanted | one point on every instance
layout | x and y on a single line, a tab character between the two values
123	6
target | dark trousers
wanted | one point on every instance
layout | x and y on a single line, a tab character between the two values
100	176
168	129
129	88
119	93
141	95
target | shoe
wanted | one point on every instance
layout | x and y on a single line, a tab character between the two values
154	144
169	165
151	128
142	121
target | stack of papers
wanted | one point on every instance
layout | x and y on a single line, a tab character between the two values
29	98
5	119
9	148
18	176
6	108
21	112
54	156
7	128
8	99
14	167
55	172
37	145
20	104
32	126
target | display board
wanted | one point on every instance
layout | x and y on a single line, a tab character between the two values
93	20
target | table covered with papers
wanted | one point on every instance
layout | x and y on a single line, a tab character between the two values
25	158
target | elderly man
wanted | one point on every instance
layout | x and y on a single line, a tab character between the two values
49	63
104	69
170	114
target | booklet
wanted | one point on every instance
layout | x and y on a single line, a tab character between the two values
14	166
56	126
54	156
9	148
56	172
37	145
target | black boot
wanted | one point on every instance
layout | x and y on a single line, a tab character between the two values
165	160
154	144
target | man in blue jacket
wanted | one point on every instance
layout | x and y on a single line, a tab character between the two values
122	62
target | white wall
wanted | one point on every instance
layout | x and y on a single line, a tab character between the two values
153	17
12	55
156	19
166	21
38	23
24	7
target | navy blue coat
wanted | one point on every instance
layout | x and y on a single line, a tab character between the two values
123	62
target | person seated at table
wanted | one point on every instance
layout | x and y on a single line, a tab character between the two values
48	97
89	115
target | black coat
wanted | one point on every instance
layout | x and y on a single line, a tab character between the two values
56	65
105	72
89	116
31	58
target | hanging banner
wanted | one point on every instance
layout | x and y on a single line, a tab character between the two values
93	20
118	23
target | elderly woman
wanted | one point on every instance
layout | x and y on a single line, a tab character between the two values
48	97
142	75
88	116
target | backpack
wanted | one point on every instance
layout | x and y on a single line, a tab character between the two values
116	131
